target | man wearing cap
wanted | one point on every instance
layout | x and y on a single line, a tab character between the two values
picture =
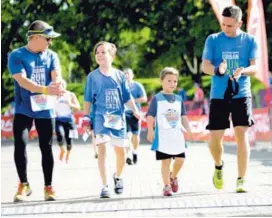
36	71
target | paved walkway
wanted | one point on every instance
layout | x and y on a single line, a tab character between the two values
78	186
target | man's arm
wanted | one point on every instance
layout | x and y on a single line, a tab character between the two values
250	70
27	84
207	67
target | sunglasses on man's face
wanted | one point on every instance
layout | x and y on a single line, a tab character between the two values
48	39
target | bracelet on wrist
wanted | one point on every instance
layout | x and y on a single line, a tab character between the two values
45	90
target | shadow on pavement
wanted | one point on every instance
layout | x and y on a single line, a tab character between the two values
96	199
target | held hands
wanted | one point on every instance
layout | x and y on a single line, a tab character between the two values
86	123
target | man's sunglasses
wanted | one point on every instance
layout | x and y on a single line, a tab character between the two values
48	39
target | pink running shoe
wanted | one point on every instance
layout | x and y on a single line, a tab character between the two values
174	184
167	191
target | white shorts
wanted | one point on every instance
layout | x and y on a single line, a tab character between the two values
103	138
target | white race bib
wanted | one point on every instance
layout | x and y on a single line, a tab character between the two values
113	121
42	102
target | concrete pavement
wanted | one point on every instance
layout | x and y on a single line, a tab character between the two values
78	186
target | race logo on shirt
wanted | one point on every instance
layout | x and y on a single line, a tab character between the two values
172	117
112	99
38	75
232	59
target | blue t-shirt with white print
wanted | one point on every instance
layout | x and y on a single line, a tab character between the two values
38	68
107	94
237	51
137	91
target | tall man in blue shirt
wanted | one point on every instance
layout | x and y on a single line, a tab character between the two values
36	71
229	57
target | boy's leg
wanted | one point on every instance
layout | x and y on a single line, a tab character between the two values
178	163
165	171
119	148
102	162
120	160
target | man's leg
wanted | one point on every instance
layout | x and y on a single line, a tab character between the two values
216	145
45	128
243	149
242	119
21	128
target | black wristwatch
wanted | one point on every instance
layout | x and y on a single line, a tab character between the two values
216	72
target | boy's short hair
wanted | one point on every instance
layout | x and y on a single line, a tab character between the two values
233	11
168	70
112	48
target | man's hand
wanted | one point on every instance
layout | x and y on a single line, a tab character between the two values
237	73
55	89
86	123
223	67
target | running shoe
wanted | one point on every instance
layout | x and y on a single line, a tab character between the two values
49	193
240	186
105	192
167	191
118	185
23	191
218	180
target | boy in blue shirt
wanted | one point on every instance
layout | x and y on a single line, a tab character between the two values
229	57
36	71
107	91
133	124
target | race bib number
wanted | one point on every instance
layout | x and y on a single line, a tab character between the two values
42	102
113	121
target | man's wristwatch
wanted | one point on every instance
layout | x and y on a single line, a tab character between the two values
216	72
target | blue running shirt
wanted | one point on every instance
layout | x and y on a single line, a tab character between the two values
107	94
237	51
38	68
137	91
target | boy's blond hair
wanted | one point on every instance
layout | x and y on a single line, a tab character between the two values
111	47
168	71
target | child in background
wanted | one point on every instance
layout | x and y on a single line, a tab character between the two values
168	140
65	124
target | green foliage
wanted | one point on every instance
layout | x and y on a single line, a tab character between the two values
149	35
